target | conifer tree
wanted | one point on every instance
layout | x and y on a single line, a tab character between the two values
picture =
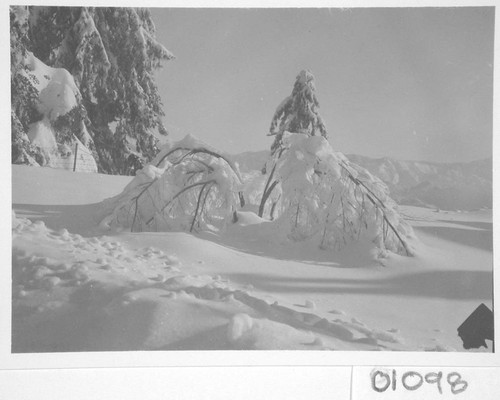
299	112
112	54
316	193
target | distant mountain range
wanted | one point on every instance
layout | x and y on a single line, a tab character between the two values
453	186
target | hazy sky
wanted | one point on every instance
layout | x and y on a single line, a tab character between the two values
410	83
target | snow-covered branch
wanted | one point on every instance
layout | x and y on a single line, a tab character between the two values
186	186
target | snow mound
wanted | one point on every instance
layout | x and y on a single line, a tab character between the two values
245	218
187	186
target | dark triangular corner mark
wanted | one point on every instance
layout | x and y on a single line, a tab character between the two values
477	328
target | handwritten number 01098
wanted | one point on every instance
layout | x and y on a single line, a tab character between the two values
412	380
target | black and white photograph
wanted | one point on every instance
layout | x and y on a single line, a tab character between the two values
247	179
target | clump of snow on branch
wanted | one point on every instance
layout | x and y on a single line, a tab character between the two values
320	196
58	96
188	186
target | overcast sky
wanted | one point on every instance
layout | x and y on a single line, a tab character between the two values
409	83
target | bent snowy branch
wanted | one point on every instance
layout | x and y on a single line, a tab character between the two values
186	186
379	204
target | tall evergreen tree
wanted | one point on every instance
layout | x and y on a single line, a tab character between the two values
112	54
299	112
315	193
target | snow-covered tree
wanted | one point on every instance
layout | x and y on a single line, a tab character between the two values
298	112
314	193
24	94
188	186
327	199
112	54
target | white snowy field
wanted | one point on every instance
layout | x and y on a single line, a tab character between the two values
78	288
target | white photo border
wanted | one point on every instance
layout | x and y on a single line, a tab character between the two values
143	359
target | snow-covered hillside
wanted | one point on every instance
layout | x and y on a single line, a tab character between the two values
462	186
454	186
78	288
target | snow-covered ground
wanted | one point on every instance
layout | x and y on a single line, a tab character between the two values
77	288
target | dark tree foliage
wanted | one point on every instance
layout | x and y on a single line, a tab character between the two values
112	54
299	112
24	95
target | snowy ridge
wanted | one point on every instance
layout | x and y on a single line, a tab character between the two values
451	186
462	186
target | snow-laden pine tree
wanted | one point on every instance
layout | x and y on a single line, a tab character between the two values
314	193
298	112
112	54
46	107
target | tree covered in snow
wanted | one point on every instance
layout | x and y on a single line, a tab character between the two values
323	197
187	186
112	54
24	94
46	107
314	193
298	112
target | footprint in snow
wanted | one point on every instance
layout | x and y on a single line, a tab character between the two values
308	304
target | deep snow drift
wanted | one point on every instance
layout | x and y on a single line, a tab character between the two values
78	288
